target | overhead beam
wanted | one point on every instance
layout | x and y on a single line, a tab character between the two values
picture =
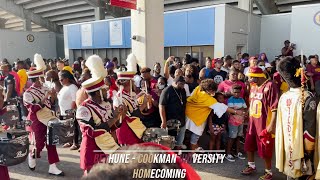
41	3
72	21
267	6
17	10
22	1
72	16
55	7
58	12
95	3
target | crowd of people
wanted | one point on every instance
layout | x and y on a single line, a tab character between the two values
234	101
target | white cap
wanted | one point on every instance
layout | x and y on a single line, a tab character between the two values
268	65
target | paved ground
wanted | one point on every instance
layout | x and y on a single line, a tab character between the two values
70	164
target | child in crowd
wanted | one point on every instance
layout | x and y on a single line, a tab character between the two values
235	124
216	125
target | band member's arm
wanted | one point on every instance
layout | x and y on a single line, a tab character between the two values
309	124
30	103
119	112
272	97
162	110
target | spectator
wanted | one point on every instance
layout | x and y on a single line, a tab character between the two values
151	117
81	94
9	82
313	70
217	74
245	60
216	125
191	77
169	70
115	63
156	71
226	86
253	61
16	79
236	65
263	57
287	50
146	74
67	101
52	76
227	63
235	123
177	62
204	73
162	83
172	105
60	65
198	108
83	64
110	68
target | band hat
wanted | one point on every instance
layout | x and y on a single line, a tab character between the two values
40	67
93	84
98	73
256	72
131	66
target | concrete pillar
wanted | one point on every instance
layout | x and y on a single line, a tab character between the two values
3	23
245	5
147	26
27	24
99	13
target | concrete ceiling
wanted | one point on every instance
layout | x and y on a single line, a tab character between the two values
52	14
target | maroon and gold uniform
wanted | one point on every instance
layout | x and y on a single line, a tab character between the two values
263	100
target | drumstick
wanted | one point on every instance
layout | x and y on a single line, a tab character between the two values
121	100
146	91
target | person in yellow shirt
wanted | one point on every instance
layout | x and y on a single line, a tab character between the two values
22	73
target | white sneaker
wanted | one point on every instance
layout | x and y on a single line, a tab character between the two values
230	158
31	162
240	156
53	170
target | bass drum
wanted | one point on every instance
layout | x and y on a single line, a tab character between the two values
159	136
60	131
14	147
11	115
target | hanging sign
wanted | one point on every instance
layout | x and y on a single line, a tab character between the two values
115	33
129	4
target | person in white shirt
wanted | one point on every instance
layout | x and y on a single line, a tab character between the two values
67	101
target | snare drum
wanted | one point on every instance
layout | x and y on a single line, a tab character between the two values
173	126
14	147
60	131
11	116
159	136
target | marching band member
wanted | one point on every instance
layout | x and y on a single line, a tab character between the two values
95	117
296	123
131	130
38	102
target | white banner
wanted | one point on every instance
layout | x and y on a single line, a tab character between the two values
115	33
86	35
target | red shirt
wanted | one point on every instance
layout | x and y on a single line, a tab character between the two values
263	100
315	70
226	86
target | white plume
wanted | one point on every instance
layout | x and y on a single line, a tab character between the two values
38	61
132	63
96	67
